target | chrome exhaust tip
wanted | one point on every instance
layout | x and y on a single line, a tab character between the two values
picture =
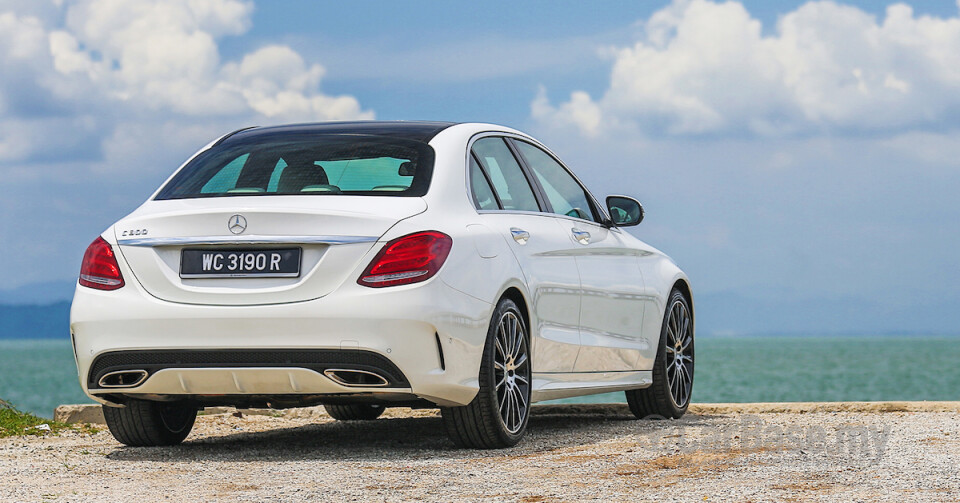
123	379
354	378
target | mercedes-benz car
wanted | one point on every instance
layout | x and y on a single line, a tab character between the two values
365	265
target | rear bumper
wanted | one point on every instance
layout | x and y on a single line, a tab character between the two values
285	349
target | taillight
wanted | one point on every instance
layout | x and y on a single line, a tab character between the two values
409	259
100	269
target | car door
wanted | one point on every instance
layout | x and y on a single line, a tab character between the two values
612	285
506	202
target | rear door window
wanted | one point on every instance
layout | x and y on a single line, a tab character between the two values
483	196
509	182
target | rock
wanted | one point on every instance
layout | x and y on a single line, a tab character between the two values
71	414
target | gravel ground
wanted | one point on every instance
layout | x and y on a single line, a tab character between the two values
570	454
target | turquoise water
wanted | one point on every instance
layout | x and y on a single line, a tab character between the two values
821	369
39	375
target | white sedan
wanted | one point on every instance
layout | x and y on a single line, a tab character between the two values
363	265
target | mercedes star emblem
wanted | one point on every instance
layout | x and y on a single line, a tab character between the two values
237	224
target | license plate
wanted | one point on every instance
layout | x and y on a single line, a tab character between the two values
282	263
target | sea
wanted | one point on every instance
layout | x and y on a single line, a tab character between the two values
38	375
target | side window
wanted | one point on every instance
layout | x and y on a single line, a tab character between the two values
564	193
508	179
483	197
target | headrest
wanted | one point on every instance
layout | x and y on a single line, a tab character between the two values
297	176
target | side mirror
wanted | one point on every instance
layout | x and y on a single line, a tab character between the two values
625	211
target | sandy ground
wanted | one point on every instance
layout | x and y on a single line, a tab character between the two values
570	454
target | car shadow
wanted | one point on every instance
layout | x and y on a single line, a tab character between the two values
396	439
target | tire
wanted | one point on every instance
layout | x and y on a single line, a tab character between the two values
498	416
143	423
669	395
355	411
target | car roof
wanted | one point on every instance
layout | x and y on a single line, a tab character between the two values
413	130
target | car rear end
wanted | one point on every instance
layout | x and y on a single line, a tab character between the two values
281	267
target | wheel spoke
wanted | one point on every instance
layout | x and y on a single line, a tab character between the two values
523	399
504	334
509	418
521	360
684	386
520	404
515	333
678	395
518	338
521	379
500	349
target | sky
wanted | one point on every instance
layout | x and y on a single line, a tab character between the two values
799	159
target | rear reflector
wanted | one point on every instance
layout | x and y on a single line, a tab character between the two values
100	269
409	259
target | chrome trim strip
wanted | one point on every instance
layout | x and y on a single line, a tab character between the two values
247	240
241	275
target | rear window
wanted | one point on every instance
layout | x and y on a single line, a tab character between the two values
306	165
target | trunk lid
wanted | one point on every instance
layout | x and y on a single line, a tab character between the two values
334	233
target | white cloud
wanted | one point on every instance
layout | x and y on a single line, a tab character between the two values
580	110
113	63
20	38
164	55
274	81
702	67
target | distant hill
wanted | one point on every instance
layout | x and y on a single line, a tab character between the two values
51	321
47	292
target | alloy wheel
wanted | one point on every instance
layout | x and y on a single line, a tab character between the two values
679	349
512	372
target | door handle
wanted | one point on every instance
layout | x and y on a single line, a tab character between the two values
583	237
519	235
